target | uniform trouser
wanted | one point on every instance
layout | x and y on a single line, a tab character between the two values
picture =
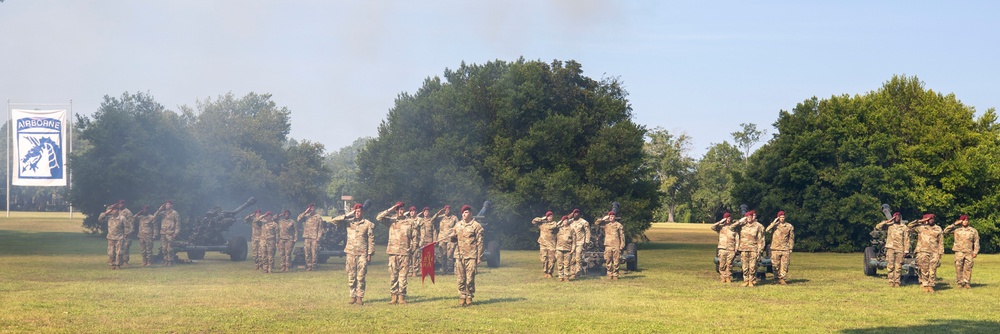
577	259
357	269
286	246
726	263
268	248
398	268
310	248
894	263
779	262
415	262
115	252
147	249
126	249
447	250
167	248
564	258
928	269
465	270
548	258
612	258
749	260
963	267
255	249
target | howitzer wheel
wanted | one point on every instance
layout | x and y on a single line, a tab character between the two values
633	264
493	247
868	267
196	255
237	249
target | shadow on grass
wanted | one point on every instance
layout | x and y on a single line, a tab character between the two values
673	246
500	300
797	281
419	299
934	326
49	243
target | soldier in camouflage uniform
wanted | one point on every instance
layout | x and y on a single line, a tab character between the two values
446	222
256	245
468	236
426	233
129	229
116	235
359	249
287	234
614	243
966	249
782	242
312	232
147	233
399	248
751	246
546	242
581	227
268	242
929	244
170	227
728	239
897	245
415	220
565	241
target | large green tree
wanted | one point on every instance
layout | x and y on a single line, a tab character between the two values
343	166
835	160
527	135
714	177
667	156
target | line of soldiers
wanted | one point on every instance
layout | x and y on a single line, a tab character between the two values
746	236
270	233
929	248
563	243
121	223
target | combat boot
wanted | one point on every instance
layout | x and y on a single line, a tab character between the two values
747	283
782	282
393	301
462	303
353	300
967	286
401	300
468	301
360	301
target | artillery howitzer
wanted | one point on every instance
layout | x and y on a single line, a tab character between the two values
874	257
206	235
491	247
593	256
764	264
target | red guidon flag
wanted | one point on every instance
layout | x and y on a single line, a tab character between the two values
427	262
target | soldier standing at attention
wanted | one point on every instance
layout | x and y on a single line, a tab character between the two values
929	243
782	242
468	236
399	248
897	245
359	248
147	233
312	231
546	242
728	239
414	240
170	226
287	234
268	242
446	222
427	234
129	229
751	245
565	240
614	243
581	229
966	249
116	235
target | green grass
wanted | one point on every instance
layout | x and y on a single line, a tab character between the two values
55	279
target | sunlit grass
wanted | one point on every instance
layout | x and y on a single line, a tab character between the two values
55	278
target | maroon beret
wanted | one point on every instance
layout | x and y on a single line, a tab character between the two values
466	208
963	217
549	213
725	215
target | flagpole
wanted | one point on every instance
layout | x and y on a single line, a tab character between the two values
69	150
8	157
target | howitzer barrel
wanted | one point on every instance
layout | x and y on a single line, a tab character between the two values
250	201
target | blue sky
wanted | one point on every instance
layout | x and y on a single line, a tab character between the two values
699	67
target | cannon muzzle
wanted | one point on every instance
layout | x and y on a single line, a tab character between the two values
250	201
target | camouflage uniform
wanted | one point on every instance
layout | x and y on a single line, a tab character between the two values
751	245
268	243
116	237
426	234
446	248
312	232
359	248
147	233
170	226
546	243
897	245
255	241
565	240
581	229
129	229
782	243
966	249
287	234
399	248
728	239
468	236
929	244
614	242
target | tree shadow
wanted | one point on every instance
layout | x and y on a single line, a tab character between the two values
934	326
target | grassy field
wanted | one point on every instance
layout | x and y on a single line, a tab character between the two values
54	278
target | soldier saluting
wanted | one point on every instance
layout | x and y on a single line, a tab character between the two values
147	233
399	248
782	242
446	222
966	249
929	244
359	248
170	227
116	235
581	229
546	242
614	243
565	240
728	239
897	245
287	235
468	236
751	245
312	232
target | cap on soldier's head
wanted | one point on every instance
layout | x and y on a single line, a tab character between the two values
896	214
466	208
267	213
286	212
358	206
565	217
121	202
169	202
576	211
399	204
257	212
750	213
413	208
447	207
426	209
548	213
611	213
145	207
312	205
781	213
963	217
725	215
928	216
